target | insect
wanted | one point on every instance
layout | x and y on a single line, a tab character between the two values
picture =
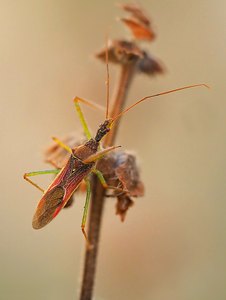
80	165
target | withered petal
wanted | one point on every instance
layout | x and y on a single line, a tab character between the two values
137	12
139	30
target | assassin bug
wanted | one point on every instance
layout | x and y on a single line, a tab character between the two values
80	164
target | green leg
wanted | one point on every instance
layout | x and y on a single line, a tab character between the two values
82	118
104	183
100	177
27	175
99	155
86	207
61	144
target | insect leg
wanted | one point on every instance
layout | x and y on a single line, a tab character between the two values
50	161
27	175
90	103
104	183
86	207
100	154
101	178
61	144
82	118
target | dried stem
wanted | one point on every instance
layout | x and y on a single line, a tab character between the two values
125	79
98	193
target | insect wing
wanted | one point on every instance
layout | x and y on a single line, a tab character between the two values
59	192
48	207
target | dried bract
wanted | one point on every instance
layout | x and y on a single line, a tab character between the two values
150	65
136	12
120	170
139	30
124	202
138	22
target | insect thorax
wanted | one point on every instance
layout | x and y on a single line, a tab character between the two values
87	149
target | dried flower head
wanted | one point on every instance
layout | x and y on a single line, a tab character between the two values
121	52
124	52
120	170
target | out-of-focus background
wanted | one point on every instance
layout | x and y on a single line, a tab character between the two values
172	244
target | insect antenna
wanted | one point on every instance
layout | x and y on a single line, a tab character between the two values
155	95
107	79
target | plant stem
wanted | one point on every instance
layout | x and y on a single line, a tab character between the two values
126	75
98	193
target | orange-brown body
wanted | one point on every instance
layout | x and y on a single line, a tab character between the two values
68	180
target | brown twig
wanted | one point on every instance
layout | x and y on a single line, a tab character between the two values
125	79
98	193
131	59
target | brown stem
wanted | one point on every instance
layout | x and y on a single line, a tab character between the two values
98	193
125	79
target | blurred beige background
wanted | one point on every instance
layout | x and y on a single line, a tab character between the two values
172	245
